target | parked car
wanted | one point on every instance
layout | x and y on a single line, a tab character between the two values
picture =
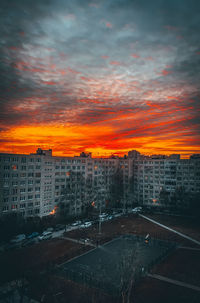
82	226
110	217
29	241
49	229
18	238
87	224
59	227
33	235
45	235
136	210
76	223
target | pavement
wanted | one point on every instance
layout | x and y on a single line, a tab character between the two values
79	241
175	282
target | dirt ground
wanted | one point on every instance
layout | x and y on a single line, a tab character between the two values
125	225
38	257
183	265
186	225
37	262
154	291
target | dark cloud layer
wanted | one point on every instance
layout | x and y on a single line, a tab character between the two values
108	63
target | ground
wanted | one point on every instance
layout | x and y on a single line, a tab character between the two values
38	263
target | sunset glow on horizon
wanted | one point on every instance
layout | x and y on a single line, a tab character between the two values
104	77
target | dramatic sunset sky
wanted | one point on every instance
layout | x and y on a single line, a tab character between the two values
102	76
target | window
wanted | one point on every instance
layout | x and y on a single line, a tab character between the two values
7	159
13	206
30	197
38	175
14	198
22	198
15	159
37	196
22	205
14	191
22	190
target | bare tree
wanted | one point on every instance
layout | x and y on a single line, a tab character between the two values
128	267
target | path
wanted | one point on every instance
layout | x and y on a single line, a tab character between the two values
189	248
78	241
171	229
172	281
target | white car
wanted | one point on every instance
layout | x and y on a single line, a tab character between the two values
76	223
45	235
136	210
87	224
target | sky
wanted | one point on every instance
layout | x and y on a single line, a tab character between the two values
100	76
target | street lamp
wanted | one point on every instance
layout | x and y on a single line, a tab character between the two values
100	207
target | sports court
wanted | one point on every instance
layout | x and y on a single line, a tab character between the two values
111	266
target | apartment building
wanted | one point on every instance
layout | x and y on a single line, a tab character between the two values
39	184
159	180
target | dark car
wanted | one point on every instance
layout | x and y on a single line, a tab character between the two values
33	235
59	227
28	242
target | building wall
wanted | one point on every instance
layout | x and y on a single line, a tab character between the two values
35	184
159	180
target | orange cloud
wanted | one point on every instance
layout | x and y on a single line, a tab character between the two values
166	72
135	56
115	63
108	24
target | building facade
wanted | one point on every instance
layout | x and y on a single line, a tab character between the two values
40	184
